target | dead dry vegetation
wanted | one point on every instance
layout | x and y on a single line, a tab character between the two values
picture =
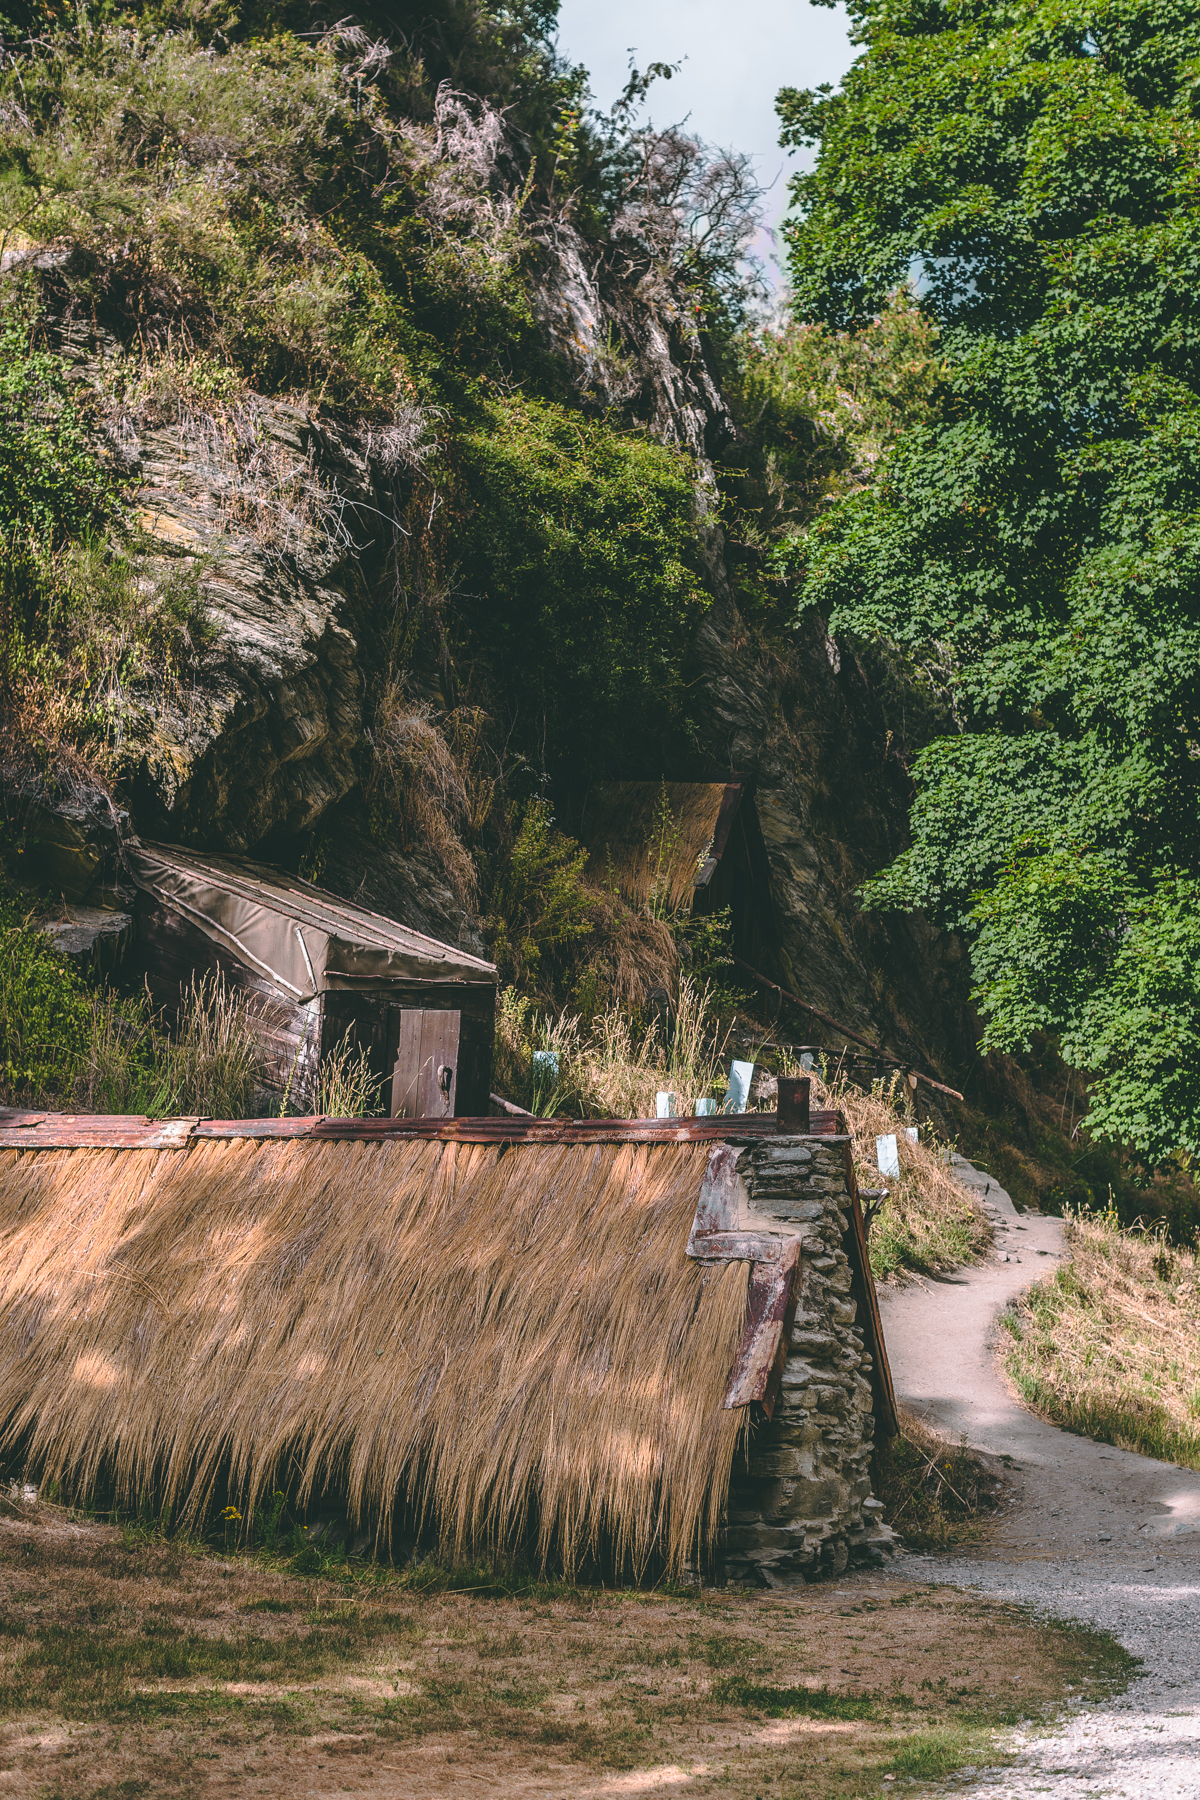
133	1665
1110	1347
929	1221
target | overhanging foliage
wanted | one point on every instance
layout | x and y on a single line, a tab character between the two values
1036	171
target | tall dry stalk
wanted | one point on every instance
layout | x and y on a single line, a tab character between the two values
930	1221
213	1062
346	1086
611	1068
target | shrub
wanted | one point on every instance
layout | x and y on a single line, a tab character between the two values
555	935
576	539
52	487
45	1012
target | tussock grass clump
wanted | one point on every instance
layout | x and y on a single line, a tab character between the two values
211	1063
64	1044
347	1088
1110	1346
929	1220
610	1068
933	1491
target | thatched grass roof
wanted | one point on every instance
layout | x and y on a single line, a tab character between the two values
511	1338
622	827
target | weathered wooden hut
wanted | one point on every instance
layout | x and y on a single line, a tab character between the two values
655	1340
317	967
693	844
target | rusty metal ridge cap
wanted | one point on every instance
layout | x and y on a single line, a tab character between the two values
24	1130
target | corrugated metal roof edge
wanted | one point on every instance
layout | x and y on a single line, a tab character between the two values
118	1131
225	868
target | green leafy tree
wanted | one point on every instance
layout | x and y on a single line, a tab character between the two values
574	547
1035	170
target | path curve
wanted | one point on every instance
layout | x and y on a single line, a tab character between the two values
1090	1533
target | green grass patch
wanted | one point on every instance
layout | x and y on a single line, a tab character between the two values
935	1752
790	1702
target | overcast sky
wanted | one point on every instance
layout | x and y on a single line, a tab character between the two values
739	54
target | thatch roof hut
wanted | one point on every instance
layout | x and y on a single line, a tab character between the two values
678	845
318	966
527	1334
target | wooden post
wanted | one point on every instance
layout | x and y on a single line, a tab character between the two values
792	1105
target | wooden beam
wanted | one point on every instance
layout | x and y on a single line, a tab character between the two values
735	1246
717	1205
862	1286
76	1131
757	1371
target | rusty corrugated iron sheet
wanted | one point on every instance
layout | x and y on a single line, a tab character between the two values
122	1131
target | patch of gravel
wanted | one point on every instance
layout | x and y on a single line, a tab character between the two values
1145	1743
1091	1534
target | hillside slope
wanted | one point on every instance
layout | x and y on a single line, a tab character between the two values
393	504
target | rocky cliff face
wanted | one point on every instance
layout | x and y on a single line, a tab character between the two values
285	524
807	725
282	523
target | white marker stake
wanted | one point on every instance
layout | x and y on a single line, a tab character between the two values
887	1154
740	1077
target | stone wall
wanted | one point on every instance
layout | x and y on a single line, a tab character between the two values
800	1503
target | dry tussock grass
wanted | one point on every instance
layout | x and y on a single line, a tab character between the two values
647	840
933	1491
610	1068
929	1220
511	1343
1110	1347
417	783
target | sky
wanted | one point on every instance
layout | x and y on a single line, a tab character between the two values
739	53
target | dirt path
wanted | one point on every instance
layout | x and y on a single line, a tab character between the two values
1091	1533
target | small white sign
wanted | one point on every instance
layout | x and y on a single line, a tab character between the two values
913	1133
705	1107
740	1076
665	1104
887	1154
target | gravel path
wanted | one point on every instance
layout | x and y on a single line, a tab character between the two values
1091	1534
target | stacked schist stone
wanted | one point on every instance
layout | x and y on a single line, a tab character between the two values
800	1503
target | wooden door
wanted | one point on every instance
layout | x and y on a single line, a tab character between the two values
425	1077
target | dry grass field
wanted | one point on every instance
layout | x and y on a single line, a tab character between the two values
132	1665
1111	1346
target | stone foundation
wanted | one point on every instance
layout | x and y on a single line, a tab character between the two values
800	1503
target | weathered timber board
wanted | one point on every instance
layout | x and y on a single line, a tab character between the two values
65	1131
862	1285
770	1312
